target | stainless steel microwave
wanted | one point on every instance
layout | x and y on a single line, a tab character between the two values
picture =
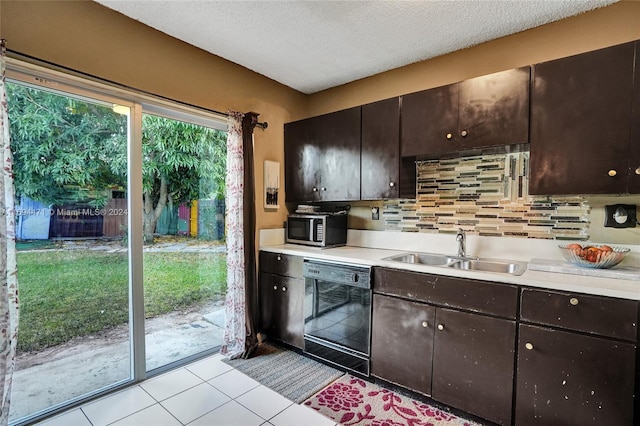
317	229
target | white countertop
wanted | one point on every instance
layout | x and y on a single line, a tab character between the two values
373	256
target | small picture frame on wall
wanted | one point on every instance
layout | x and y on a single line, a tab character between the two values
271	184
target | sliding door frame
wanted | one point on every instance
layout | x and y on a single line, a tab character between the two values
138	103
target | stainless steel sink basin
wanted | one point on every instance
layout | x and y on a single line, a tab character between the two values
470	264
497	266
430	259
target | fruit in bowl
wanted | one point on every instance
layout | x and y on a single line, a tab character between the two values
593	256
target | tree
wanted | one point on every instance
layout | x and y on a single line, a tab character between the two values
181	162
62	147
67	150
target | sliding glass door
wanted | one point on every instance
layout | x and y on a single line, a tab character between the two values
184	251
70	166
120	237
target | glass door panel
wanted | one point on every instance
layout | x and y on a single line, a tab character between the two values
70	167
184	254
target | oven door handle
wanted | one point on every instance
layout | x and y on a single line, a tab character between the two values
316	299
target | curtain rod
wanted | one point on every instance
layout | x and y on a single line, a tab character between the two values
262	125
41	62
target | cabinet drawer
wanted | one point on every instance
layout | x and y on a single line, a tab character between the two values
473	295
603	316
281	264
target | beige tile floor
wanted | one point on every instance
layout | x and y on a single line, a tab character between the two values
205	393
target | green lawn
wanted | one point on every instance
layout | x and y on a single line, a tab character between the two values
65	294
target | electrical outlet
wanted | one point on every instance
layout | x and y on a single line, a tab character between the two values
375	213
620	216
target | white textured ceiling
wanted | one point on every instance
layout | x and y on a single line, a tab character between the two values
315	45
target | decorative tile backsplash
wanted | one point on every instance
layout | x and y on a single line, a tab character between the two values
486	195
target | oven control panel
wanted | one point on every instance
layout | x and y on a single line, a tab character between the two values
339	273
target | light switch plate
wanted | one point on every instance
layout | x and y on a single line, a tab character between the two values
620	216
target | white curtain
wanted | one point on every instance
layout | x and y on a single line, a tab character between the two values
235	331
8	268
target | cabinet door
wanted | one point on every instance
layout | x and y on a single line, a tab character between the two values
380	156
494	109
281	307
338	143
301	157
566	378
473	364
292	312
402	342
270	301
580	123
634	154
429	121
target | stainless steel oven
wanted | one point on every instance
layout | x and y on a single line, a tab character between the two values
337	307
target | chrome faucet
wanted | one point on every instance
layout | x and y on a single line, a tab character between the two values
461	239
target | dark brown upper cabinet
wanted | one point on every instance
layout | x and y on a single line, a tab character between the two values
380	157
322	157
300	175
581	116
481	112
634	144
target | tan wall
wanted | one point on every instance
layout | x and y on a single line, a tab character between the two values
600	28
87	37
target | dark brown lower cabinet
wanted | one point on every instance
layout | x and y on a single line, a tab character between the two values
282	309
402	342
461	359
473	364
566	378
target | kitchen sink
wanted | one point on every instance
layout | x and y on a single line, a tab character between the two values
497	266
430	259
470	264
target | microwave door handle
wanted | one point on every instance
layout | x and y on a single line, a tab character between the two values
312	229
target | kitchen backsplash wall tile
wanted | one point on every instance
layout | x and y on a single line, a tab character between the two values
486	195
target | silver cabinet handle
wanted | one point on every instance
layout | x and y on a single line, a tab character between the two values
638	171
464	133
425	324
528	345
324	189
284	289
392	184
449	136
275	287
440	327
574	301
279	257
612	173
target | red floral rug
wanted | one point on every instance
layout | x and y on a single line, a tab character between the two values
352	401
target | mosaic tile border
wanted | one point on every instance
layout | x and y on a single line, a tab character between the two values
486	195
